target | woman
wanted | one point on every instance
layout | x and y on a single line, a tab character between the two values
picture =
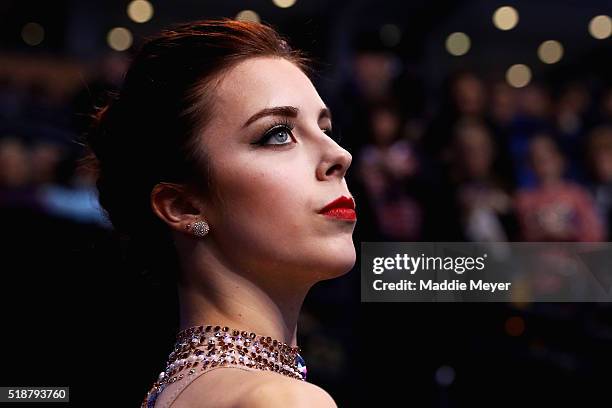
237	174
556	209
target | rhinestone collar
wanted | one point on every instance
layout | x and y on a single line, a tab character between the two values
203	347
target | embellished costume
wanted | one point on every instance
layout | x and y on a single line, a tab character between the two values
204	348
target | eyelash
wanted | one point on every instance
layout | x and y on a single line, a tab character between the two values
283	124
288	126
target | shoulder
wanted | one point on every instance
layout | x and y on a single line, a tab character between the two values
285	392
257	389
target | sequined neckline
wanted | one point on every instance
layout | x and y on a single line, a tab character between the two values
202	347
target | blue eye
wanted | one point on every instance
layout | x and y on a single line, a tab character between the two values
277	136
281	134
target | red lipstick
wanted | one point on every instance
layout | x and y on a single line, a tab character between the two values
342	208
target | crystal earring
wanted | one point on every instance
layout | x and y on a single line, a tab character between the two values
198	228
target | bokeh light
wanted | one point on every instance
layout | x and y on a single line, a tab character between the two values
33	34
515	326
505	18
283	3
600	27
550	51
445	375
248	15
140	11
390	35
119	39
458	44
518	75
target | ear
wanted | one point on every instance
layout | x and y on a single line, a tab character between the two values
175	205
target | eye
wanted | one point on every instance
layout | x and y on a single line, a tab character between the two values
277	135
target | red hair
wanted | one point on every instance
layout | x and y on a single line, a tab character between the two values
147	133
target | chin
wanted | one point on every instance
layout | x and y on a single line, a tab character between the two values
337	259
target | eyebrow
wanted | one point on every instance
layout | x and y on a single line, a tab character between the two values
289	111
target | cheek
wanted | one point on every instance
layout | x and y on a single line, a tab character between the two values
268	216
266	206
257	192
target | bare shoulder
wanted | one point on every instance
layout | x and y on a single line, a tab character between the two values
277	391
235	388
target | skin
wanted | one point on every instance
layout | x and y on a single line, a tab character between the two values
267	244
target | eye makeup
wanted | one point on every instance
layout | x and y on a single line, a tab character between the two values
286	126
278	127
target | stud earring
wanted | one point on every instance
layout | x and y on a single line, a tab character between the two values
198	228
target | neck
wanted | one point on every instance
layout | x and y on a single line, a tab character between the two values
215	294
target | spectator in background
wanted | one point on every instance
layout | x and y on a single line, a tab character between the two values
571	109
465	97
483	197
385	166
16	187
504	105
599	157
73	195
555	210
571	122
534	117
44	159
371	81
374	73
501	114
14	163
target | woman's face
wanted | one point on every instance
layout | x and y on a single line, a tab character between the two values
272	173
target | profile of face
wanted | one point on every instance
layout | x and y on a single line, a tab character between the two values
273	167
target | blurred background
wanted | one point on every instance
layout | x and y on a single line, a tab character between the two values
467	121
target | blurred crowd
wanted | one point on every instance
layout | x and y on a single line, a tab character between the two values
480	161
488	162
41	128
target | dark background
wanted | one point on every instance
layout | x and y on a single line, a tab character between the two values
77	312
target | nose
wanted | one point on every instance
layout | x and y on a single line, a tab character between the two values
334	163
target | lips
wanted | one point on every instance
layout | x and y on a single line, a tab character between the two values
341	208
